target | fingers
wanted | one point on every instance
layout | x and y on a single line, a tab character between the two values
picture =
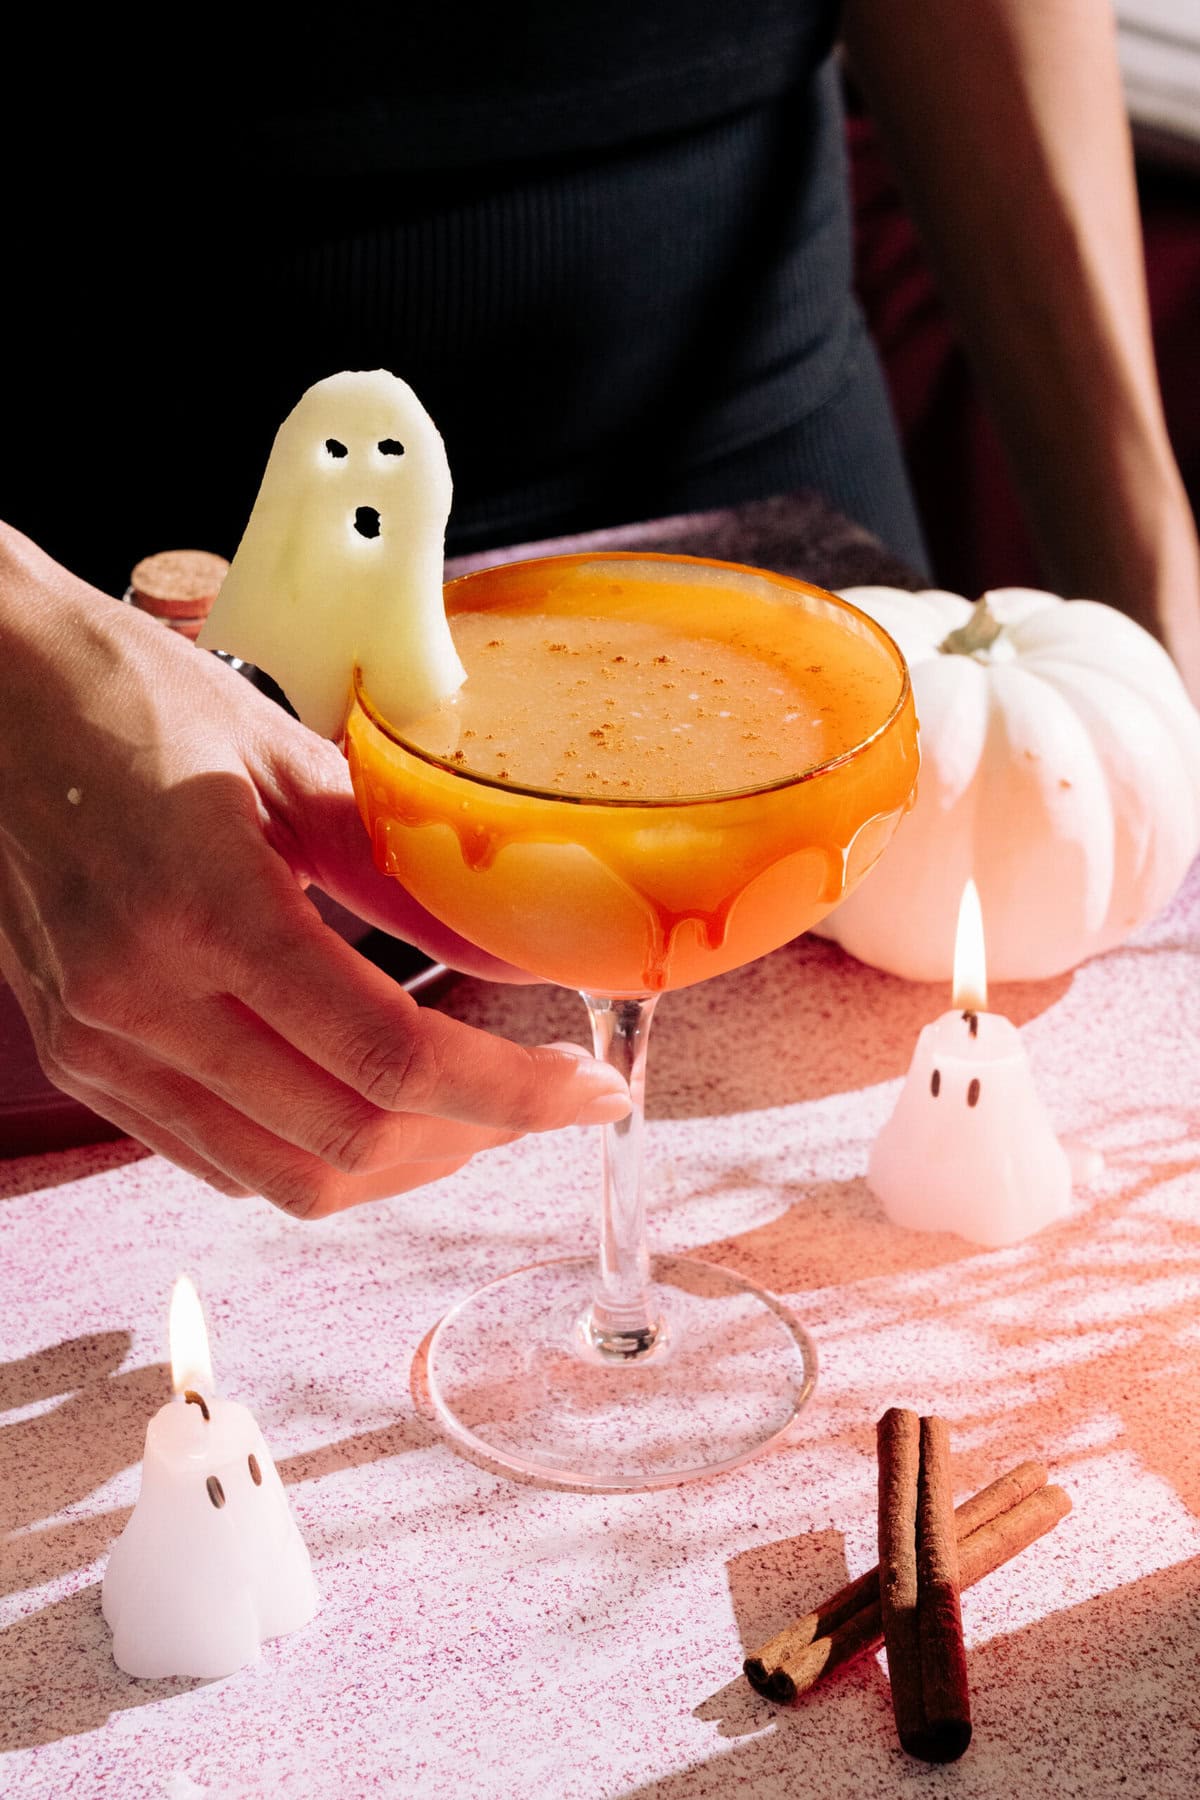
219	1091
347	1017
241	1060
155	1137
215	1140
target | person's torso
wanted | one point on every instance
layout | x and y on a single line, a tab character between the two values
605	243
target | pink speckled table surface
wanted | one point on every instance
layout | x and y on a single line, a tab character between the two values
483	1637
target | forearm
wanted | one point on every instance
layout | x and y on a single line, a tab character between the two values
1006	123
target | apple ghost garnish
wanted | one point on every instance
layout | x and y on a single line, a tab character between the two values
340	564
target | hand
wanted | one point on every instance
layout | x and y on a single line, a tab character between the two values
159	819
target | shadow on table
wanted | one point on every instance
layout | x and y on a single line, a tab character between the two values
824	1229
1097	1699
55	1459
57	1675
770	1585
30	1174
801	1024
1089	1302
58	1678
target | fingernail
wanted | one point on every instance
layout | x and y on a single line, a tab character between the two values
604	1109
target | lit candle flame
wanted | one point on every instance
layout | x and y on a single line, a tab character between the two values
970	963
190	1363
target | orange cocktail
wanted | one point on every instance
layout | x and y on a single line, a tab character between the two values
659	768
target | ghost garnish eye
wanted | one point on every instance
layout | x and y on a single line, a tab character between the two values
973	1092
336	449
255	1471
935	1083
216	1492
366	522
391	447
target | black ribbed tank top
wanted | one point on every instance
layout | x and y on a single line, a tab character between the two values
608	245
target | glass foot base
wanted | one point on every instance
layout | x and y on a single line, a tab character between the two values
515	1376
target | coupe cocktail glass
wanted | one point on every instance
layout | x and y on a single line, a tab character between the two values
631	1371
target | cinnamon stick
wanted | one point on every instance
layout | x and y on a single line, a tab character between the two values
944	1730
1004	1537
898	1443
1007	1516
996	1498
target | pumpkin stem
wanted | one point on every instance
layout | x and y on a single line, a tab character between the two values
979	633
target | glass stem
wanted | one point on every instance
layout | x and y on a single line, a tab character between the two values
621	1321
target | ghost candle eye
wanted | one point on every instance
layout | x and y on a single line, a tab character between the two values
973	1093
390	447
216	1492
335	449
255	1471
935	1083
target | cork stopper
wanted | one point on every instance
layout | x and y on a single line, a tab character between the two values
178	587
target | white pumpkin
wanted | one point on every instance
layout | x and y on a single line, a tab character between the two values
1060	766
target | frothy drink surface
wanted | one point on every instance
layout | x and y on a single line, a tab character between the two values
625	707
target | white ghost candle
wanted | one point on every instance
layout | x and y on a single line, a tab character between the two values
969	1147
210	1564
341	561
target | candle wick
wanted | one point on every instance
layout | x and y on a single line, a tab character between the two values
192	1398
972	1019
